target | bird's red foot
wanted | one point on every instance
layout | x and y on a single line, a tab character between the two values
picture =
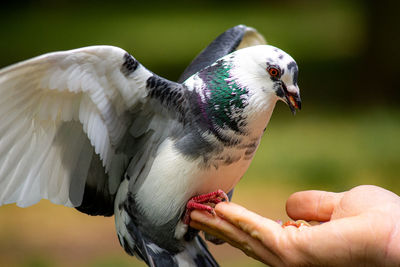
200	203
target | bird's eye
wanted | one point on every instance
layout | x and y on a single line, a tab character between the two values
274	72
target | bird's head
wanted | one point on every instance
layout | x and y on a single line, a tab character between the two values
239	90
268	70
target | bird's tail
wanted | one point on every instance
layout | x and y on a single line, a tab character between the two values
195	254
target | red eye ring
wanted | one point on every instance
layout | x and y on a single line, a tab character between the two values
274	72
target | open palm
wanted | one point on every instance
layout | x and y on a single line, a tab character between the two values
359	227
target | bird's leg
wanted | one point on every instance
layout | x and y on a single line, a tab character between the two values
200	203
213	197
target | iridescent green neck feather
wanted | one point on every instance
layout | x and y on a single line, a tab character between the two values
225	98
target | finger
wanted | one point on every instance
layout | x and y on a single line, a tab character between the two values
312	205
255	225
228	232
214	225
218	227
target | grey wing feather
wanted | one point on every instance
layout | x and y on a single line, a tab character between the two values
232	39
64	118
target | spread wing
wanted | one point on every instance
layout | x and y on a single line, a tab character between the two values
68	122
235	38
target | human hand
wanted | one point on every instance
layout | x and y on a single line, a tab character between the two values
362	227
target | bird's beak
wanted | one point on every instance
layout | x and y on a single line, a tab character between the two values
292	97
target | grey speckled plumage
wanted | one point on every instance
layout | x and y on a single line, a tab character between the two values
93	129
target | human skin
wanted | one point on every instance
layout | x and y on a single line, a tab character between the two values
361	227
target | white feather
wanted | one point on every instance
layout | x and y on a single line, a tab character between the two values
41	102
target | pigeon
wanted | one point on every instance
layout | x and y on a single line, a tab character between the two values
93	129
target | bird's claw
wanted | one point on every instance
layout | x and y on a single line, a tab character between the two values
200	203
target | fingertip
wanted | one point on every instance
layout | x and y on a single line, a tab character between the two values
200	216
312	205
230	210
222	205
294	201
225	206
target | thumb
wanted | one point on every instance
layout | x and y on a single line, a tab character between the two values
312	205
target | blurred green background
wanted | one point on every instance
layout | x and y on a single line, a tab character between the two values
347	133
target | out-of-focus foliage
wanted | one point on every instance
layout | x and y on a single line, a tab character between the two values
347	133
345	49
330	150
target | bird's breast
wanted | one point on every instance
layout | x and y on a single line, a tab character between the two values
223	172
174	178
